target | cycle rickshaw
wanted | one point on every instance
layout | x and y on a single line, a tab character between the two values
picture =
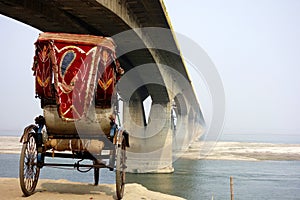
75	77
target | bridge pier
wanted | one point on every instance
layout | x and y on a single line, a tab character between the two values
150	144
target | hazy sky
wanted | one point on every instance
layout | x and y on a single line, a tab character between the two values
254	45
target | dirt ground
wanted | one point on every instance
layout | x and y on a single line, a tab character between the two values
66	190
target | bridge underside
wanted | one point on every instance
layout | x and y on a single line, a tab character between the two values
144	54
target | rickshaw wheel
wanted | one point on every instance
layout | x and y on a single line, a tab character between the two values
120	168
29	171
96	174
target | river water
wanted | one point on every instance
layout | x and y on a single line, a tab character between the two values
202	179
195	179
198	179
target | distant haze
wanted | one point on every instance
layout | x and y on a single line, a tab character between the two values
255	46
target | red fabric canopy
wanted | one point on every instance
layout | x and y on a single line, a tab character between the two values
80	67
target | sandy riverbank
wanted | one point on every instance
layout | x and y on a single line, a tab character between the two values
10	144
66	190
243	151
221	151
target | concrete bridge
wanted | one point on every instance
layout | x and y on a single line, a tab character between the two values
152	62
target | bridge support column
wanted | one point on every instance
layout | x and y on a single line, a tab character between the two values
150	144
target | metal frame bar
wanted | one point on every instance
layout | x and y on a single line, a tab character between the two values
75	165
74	156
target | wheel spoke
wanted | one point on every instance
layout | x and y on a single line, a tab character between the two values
29	172
28	184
